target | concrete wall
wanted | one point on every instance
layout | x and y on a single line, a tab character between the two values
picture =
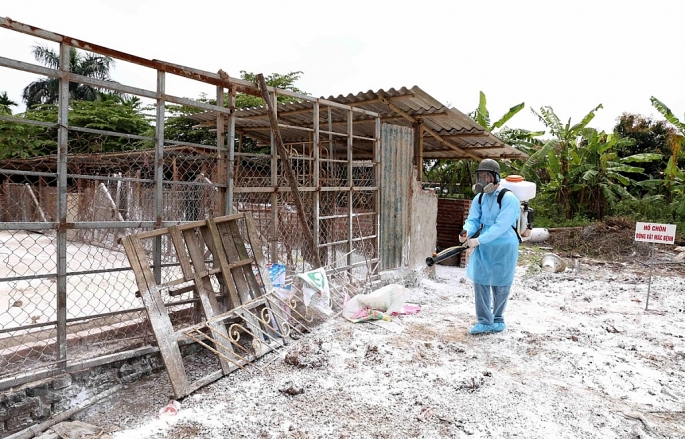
423	232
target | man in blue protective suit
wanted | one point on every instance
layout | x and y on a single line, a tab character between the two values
495	251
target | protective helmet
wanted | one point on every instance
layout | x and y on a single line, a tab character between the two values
489	165
484	184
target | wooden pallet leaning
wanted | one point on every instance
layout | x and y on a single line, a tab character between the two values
232	268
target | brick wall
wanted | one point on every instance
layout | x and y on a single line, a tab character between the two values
452	214
33	403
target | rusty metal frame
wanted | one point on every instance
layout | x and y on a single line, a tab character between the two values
58	169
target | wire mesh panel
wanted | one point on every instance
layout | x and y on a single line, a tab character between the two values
74	183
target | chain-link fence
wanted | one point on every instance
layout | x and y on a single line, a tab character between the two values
70	190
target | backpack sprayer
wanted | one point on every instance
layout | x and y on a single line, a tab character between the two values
524	191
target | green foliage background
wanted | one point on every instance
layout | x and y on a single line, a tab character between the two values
582	174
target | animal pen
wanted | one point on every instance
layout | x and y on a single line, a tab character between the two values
69	291
302	184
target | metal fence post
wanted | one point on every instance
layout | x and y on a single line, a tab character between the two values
159	173
62	150
350	184
221	159
273	239
316	211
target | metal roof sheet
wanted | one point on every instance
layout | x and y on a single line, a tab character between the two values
448	133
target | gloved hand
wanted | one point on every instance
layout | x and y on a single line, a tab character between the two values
463	236
473	242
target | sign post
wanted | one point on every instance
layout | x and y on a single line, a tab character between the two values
656	234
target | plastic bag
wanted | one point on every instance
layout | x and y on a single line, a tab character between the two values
315	289
377	304
276	274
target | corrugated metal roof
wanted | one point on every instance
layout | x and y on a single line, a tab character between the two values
448	133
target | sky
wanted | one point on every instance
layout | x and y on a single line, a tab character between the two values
571	55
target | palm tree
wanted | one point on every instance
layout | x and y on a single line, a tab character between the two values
6	103
46	91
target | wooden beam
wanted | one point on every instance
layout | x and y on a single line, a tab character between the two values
418	148
285	158
283	114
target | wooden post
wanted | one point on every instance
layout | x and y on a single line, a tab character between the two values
220	175
285	158
418	148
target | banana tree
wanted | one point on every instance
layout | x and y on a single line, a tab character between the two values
579	169
673	181
460	173
516	137
599	177
549	166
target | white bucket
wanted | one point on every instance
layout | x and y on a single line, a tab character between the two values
524	190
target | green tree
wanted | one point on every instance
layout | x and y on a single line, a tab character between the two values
550	164
599	177
520	138
107	113
579	169
672	182
284	82
180	127
5	104
457	175
25	141
451	176
46	91
649	136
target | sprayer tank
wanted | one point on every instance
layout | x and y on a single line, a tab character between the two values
524	190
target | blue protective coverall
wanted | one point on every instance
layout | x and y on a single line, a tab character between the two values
493	262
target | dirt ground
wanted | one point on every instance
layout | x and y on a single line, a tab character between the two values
581	357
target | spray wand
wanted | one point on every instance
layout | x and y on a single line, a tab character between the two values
450	251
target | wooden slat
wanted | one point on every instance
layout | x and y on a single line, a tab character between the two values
181	253
186	226
239	245
158	316
231	240
208	301
235	275
213	240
